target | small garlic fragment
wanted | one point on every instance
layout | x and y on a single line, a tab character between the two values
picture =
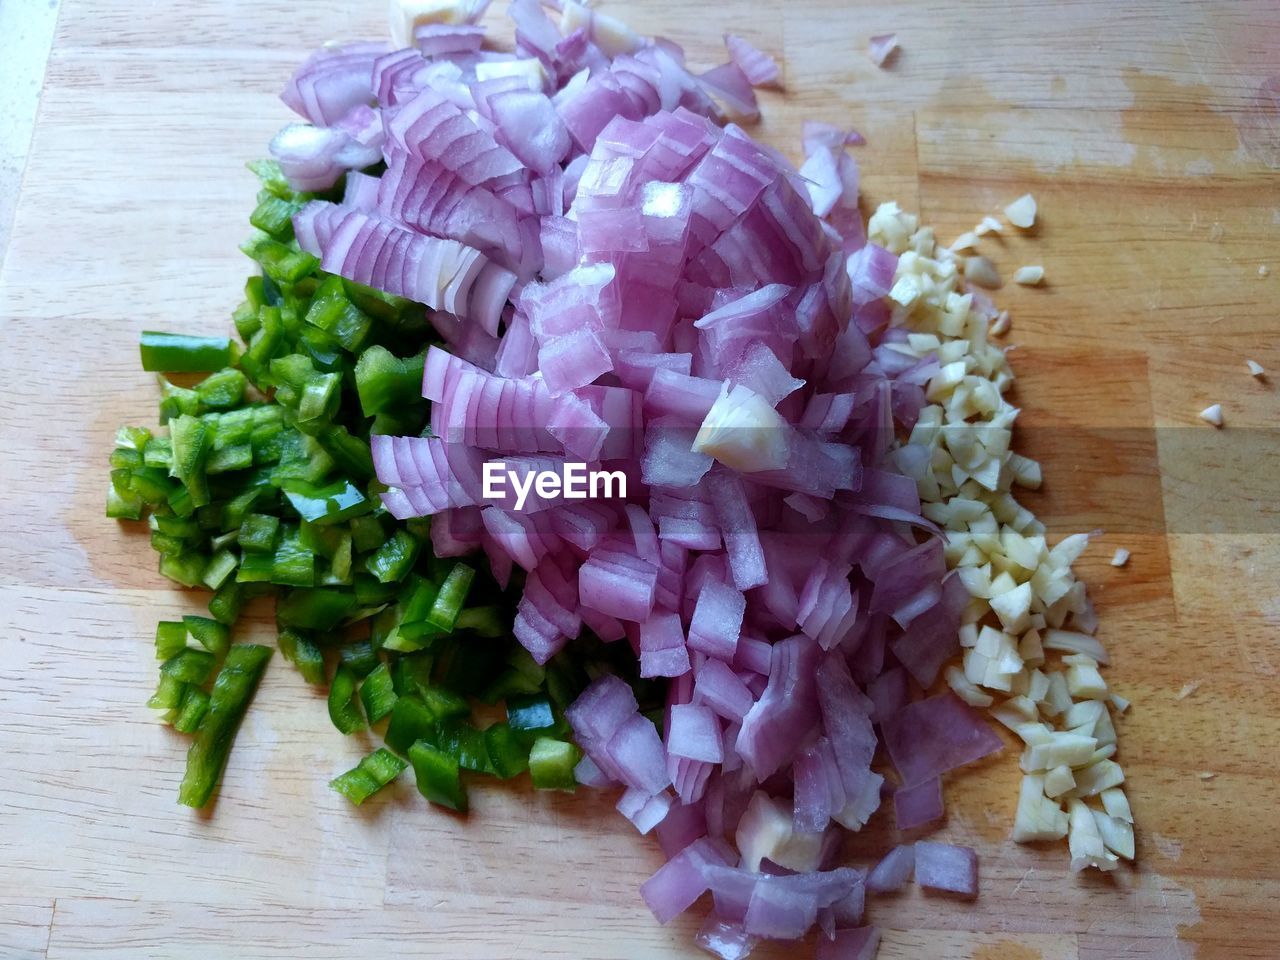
966	241
1264	271
1212	414
982	271
1022	212
1255	368
988	225
1189	688
1116	804
1087	847
1000	325
1083	679
1058	781
1038	817
1029	275
1121	557
1116	834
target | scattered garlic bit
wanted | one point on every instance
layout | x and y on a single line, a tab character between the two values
965	689
1099	776
1038	817
1119	702
1207	774
408	14
1058	781
988	225
1116	834
742	431
1121	557
1255	369
608	33
1084	682
529	70
1189	688
1264	271
1087	847
982	271
1116	804
1212	414
1000	325
1022	212
966	241
1024	598
1029	275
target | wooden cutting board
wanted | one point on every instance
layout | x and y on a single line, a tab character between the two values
1136	127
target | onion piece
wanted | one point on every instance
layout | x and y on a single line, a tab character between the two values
942	866
758	67
893	871
881	47
859	943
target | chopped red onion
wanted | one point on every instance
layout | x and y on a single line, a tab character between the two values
930	737
760	68
643	810
881	48
727	941
892	872
680	881
916	805
694	733
858	943
942	866
620	282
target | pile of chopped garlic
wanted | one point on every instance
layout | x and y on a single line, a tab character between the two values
1026	605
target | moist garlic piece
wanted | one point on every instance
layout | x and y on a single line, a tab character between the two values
1022	212
1026	606
528	69
405	15
1212	414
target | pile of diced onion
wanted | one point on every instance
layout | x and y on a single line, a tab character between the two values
810	419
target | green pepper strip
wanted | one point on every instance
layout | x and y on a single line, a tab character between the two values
332	503
369	776
342	702
551	764
359	658
190	666
530	716
171	638
209	634
181	353
411	720
232	691
394	558
507	754
301	650
194	706
450	598
439	778
377	693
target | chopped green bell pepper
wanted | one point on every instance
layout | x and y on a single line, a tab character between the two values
369	776
232	690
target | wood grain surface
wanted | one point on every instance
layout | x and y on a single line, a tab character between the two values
1138	128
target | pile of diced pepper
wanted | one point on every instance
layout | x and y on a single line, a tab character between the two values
265	486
